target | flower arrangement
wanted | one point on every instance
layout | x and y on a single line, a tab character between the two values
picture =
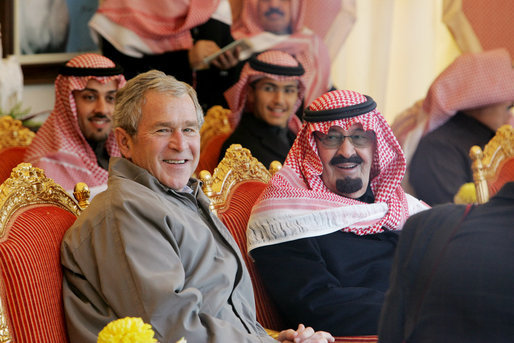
128	330
466	195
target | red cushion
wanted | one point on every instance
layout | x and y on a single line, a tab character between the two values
210	155
504	174
235	218
32	276
10	157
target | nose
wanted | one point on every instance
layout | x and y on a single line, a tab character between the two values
346	149
102	106
177	141
279	95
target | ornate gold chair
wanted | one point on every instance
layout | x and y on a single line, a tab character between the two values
35	213
234	187
213	134
493	167
14	139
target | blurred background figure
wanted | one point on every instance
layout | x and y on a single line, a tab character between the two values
464	106
171	36
279	25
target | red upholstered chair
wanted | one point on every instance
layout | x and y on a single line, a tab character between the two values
493	167
236	184
35	213
215	130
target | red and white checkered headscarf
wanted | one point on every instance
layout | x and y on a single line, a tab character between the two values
161	25
473	80
59	146
306	46
297	204
275	65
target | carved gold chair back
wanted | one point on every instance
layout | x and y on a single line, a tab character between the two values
236	167
35	212
233	189
13	133
494	166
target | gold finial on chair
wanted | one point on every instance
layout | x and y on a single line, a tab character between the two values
274	167
81	193
482	191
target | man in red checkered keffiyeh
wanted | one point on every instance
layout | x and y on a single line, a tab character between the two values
75	142
327	224
263	104
280	25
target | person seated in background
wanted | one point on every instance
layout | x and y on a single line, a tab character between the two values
263	105
451	280
464	106
149	246
75	142
324	231
279	25
173	37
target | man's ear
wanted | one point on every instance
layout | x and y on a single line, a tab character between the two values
124	141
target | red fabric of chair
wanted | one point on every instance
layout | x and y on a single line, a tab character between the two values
235	217
210	155
504	174
32	276
10	157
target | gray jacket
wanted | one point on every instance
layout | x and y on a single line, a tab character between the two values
144	250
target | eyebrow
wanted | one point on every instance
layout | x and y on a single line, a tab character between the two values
96	90
173	124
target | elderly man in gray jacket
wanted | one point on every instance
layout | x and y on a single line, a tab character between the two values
148	246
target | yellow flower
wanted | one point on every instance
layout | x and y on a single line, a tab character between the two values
127	330
466	195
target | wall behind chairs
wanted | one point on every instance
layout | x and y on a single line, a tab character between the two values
394	51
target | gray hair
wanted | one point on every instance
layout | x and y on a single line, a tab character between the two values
130	98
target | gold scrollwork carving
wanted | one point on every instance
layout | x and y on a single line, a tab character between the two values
13	133
237	165
29	185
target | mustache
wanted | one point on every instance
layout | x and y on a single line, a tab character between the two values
273	10
341	159
99	116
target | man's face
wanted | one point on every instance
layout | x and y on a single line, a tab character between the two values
167	141
95	105
346	165
275	15
273	101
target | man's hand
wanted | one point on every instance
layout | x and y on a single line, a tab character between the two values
304	335
205	48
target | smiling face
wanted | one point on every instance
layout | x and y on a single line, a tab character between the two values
95	105
273	101
167	141
346	167
275	15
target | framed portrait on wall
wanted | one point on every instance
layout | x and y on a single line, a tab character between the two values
44	34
